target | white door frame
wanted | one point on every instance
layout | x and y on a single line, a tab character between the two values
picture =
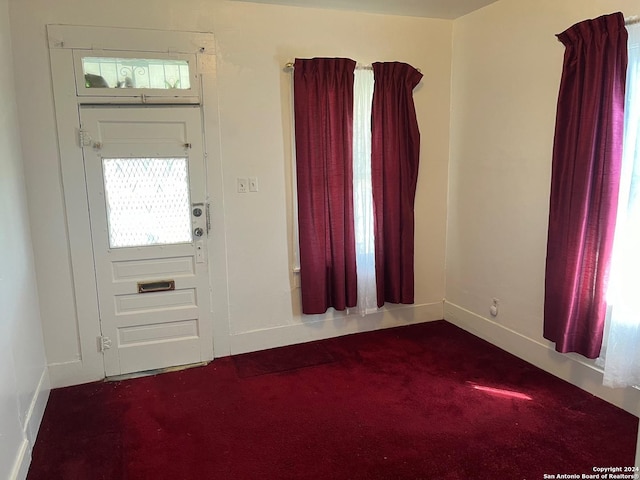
64	40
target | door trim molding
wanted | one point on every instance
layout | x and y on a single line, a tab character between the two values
86	364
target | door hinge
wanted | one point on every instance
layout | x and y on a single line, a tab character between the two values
84	139
104	343
208	216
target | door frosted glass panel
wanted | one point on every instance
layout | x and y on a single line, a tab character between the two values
147	201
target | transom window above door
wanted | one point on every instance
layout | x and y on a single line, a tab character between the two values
113	72
150	76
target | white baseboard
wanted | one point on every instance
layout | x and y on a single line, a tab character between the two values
311	328
23	460
539	352
571	368
31	426
65	374
334	326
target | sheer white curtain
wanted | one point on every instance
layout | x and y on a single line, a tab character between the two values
362	196
622	348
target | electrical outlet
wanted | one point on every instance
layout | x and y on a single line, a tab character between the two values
242	185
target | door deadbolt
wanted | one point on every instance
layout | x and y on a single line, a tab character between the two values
198	232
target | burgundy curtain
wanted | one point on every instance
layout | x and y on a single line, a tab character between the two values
585	178
395	150
323	99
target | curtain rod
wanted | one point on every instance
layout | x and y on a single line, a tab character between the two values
290	66
632	20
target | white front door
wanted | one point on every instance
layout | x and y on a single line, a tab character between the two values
145	178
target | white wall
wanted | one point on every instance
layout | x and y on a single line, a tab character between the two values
507	64
24	385
257	306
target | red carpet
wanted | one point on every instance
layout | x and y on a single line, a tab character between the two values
425	401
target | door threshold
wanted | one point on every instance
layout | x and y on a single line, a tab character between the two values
157	371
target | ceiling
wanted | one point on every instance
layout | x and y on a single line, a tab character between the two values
448	9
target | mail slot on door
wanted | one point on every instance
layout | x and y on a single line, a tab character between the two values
156	286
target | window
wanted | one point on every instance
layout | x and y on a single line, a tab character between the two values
114	73
593	250
339	170
110	72
620	350
362	191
